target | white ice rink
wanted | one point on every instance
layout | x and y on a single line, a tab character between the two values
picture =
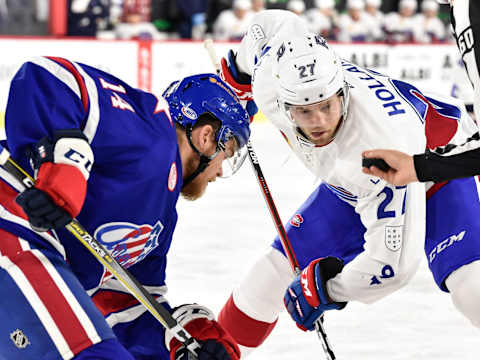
219	236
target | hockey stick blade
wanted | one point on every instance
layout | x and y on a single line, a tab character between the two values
102	255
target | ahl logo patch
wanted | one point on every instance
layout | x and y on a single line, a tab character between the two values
19	339
393	237
128	243
296	220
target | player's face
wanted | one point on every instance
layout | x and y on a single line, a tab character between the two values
319	121
197	187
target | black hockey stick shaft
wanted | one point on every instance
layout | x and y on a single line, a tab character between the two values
287	246
101	254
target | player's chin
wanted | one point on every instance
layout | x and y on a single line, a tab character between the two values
194	190
320	137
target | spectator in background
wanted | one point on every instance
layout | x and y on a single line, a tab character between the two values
297	7
3	16
372	8
20	17
355	25
400	26
428	27
116	12
322	19
258	5
233	24
134	27
86	17
193	15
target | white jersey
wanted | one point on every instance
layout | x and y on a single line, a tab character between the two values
362	30
428	29
379	116
319	23
399	28
229	27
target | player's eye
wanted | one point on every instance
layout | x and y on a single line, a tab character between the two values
325	108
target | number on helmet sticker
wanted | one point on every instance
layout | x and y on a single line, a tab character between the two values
303	70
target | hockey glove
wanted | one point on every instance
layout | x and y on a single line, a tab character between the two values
62	168
240	82
306	299
215	342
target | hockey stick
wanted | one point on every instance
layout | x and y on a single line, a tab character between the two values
102	255
287	246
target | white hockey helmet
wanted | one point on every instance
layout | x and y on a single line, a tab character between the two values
325	4
374	3
411	4
431	5
308	72
355	5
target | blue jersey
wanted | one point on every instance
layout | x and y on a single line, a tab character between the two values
134	184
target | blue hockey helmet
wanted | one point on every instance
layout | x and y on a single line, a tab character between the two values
196	95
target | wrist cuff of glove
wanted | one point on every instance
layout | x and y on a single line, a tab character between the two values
316	275
232	81
66	146
329	268
65	184
199	322
186	313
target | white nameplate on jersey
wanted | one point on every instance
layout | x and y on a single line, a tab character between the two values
393	237
257	32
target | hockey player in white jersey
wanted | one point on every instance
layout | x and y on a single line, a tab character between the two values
356	237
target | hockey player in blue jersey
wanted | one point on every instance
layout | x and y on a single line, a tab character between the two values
356	237
117	159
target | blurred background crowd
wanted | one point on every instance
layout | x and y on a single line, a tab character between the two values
391	21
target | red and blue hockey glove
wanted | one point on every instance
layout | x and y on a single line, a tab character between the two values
215	342
240	82
306	299
62	166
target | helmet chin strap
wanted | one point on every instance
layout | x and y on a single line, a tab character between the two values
204	159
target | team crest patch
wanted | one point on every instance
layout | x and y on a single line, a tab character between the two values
172	177
128	243
19	339
393	237
296	220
